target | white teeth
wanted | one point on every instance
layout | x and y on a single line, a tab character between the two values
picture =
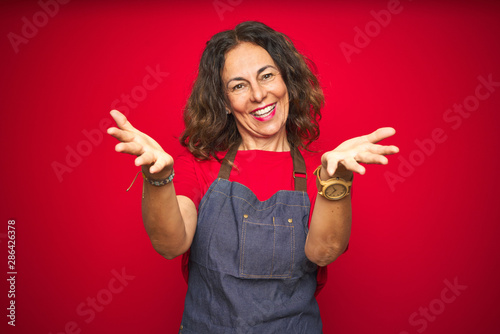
265	111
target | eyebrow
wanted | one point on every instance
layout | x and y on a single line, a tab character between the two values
262	69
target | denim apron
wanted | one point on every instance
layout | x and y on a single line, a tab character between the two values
248	272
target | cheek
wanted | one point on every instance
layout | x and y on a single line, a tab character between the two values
282	91
285	98
234	103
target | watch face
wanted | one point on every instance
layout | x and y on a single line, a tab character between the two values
335	191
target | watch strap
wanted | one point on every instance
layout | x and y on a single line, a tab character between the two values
320	184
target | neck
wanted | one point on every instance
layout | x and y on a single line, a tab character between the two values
278	143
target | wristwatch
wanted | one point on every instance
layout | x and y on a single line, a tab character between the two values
332	189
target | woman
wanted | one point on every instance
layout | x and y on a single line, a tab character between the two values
244	192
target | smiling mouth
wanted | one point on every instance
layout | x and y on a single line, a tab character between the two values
264	111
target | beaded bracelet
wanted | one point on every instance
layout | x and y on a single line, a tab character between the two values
159	183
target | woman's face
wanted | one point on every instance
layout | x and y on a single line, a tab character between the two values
257	94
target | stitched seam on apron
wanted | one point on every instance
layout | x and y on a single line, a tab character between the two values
301	206
269	224
241	274
274	245
292	250
242	252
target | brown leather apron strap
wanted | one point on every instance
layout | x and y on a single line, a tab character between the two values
299	167
225	168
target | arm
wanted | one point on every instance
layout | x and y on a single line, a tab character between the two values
330	226
170	220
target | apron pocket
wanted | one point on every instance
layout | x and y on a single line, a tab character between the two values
267	248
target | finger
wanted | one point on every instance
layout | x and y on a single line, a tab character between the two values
330	161
121	120
130	148
331	167
371	158
380	134
147	158
392	149
383	149
352	165
158	166
121	135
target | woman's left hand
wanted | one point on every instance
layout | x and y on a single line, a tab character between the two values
348	155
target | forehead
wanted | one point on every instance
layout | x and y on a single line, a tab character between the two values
244	60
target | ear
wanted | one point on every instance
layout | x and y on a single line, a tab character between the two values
227	105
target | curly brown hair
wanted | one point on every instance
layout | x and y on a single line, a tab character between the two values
210	130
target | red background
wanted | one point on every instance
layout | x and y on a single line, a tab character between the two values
439	219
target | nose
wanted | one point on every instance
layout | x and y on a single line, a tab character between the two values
258	93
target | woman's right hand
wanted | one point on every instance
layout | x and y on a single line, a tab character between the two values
170	220
155	162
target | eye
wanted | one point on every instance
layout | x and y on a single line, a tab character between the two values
267	76
237	87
